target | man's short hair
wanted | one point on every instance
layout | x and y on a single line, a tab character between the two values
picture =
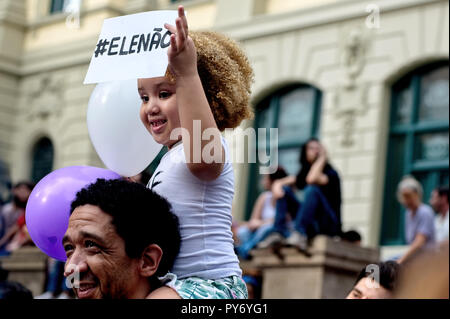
279	174
351	236
409	182
27	184
388	274
140	217
11	290
442	191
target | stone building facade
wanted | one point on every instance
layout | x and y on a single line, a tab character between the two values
367	77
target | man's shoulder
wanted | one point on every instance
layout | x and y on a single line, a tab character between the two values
426	211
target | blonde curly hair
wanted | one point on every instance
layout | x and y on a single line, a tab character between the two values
226	77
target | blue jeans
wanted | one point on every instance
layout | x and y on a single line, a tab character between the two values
249	239
311	217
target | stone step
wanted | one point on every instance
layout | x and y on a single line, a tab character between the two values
329	272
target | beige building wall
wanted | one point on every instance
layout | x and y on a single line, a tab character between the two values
316	46
326	43
12	32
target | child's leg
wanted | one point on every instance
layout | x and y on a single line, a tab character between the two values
198	288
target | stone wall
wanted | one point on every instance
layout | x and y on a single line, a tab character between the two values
27	266
329	273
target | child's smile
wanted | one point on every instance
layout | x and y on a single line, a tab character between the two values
157	125
159	111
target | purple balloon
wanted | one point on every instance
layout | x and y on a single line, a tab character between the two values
48	208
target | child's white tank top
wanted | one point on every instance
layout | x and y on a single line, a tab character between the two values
204	213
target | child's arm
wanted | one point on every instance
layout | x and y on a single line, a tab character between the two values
316	175
193	104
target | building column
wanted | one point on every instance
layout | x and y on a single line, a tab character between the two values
12	33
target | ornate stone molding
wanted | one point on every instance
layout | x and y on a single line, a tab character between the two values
350	99
350	103
354	54
13	12
47	99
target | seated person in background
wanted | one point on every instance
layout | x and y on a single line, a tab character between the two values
16	237
439	202
20	238
376	281
121	238
13	217
261	221
320	210
419	217
351	236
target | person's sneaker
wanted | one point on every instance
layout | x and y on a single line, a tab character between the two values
63	295
46	295
272	239
298	241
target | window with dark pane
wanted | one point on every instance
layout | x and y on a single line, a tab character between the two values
43	154
295	111
418	140
58	6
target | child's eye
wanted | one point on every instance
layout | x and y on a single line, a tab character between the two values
164	94
144	99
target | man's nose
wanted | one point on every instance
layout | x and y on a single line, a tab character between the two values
76	263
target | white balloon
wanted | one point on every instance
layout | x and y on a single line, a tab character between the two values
115	128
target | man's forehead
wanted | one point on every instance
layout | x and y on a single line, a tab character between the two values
89	217
89	213
370	288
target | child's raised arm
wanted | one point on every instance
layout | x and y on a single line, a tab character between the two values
193	104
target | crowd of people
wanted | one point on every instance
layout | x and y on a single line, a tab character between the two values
173	239
294	209
300	206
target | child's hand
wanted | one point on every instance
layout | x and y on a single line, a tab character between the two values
182	53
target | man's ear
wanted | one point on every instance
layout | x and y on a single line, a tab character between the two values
151	257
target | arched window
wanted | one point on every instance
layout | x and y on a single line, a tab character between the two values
418	140
42	159
295	111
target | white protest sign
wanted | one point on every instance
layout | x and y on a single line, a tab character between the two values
131	47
